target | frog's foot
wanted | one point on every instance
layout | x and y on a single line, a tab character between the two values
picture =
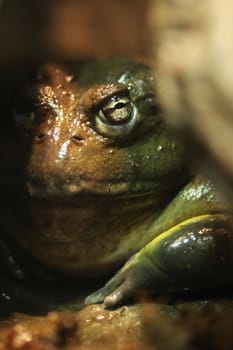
20	265
135	276
9	262
196	254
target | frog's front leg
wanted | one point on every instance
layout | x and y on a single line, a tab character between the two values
8	261
196	253
19	265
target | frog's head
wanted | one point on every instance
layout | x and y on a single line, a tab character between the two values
88	139
95	128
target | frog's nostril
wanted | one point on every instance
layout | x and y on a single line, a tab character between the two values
77	138
40	137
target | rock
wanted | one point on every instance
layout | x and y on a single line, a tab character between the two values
194	54
91	328
149	325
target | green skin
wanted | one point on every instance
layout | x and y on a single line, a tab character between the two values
174	229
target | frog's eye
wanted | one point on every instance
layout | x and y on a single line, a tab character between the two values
117	111
116	117
23	119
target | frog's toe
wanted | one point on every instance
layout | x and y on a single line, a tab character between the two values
136	275
100	295
8	260
120	294
95	298
110	295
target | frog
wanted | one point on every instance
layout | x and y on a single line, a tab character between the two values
95	183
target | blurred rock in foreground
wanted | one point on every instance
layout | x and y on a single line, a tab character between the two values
194	53
149	326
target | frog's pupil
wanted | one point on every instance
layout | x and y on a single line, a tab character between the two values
120	113
120	105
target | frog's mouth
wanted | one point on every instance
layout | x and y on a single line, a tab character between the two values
87	189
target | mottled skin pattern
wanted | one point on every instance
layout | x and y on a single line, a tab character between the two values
101	177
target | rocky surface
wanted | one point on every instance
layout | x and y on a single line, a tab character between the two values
91	328
181	326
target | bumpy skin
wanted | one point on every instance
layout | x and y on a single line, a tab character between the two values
100	178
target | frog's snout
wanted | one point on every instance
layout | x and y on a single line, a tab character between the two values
77	139
74	136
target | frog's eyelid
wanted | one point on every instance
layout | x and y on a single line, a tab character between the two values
31	116
118	103
151	102
150	96
124	92
23	115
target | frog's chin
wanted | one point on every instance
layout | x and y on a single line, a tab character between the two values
89	189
